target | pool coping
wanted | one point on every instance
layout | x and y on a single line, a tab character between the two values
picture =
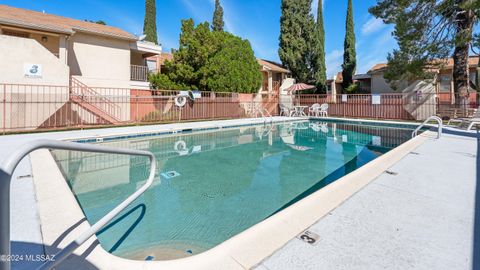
243	251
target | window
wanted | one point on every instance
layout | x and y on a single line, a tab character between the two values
445	84
152	65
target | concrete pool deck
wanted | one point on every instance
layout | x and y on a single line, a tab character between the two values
423	217
356	235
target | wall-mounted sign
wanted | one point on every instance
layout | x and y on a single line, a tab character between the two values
376	100
344	98
32	70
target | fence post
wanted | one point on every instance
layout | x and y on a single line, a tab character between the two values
4	108
136	108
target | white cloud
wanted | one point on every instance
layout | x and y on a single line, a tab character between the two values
377	51
206	14
373	25
315	7
334	60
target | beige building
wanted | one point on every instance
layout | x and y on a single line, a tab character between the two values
66	65
63	48
443	82
418	95
274	76
374	82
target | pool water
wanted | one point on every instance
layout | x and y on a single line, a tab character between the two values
212	185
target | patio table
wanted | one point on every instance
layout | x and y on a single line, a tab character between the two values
299	111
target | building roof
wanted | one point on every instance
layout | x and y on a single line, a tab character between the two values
447	64
270	65
377	67
162	57
52	23
472	62
165	57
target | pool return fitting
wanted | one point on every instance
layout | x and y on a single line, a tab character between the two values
8	167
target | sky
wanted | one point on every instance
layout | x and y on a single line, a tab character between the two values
255	20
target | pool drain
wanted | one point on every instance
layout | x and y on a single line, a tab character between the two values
170	174
149	258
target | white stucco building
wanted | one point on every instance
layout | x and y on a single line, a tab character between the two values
63	48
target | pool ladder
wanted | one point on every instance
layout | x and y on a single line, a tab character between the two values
265	114
8	167
435	118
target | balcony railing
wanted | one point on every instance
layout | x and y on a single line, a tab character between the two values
138	73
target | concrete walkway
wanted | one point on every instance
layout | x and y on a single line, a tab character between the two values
421	218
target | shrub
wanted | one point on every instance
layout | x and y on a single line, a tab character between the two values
210	61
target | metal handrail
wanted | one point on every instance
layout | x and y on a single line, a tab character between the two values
433	117
262	112
8	167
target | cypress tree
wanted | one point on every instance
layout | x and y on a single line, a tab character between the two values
349	55
217	24
296	38
150	22
320	66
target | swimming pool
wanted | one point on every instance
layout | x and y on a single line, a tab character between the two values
214	184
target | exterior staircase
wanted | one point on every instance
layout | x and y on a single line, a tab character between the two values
90	100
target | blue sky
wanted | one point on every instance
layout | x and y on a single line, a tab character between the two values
256	20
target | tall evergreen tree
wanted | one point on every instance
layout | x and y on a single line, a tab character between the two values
150	22
296	39
320	66
476	50
217	24
350	54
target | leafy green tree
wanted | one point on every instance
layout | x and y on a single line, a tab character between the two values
428	30
233	68
211	61
349	55
218	23
150	22
320	66
297	39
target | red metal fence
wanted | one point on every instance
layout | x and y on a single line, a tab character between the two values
31	107
405	106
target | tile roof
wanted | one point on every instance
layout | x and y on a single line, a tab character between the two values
447	64
272	66
47	22
161	57
472	62
378	67
165	57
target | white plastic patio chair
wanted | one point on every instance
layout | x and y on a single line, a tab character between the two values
314	110
323	110
469	123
